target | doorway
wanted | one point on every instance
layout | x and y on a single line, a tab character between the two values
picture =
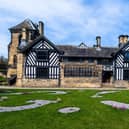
126	75
106	76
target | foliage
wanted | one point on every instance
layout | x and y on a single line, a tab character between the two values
2	79
3	60
3	65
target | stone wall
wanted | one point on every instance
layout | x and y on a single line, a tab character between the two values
13	47
11	71
82	81
46	83
121	84
20	69
12	52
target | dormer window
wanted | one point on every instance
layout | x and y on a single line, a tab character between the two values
42	55
82	45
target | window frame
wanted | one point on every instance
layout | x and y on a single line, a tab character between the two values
40	59
39	71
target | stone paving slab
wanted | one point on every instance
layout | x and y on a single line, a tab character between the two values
115	104
31	92
35	104
69	110
99	94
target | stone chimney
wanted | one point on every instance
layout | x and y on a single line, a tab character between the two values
123	39
41	28
126	38
98	41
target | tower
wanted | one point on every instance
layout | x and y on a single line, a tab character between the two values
21	35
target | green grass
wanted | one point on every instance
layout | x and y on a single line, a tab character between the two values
93	114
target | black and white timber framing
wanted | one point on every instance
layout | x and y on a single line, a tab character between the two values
121	63
42	60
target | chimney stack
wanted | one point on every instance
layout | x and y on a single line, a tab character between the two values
123	39
41	28
126	38
98	41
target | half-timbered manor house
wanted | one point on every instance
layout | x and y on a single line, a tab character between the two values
35	61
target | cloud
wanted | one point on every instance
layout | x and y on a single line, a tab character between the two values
3	45
71	21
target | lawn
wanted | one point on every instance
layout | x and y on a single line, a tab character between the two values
92	114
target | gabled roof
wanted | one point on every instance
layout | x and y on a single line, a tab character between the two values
37	40
27	23
121	48
74	51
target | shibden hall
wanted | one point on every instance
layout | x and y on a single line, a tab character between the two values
35	61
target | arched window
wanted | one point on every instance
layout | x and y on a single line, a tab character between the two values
15	60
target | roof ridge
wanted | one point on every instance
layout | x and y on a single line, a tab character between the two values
27	23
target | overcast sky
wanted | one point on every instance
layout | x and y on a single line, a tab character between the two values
68	21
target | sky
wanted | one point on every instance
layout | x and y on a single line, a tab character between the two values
68	22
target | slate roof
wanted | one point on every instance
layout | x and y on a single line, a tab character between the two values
74	51
27	23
